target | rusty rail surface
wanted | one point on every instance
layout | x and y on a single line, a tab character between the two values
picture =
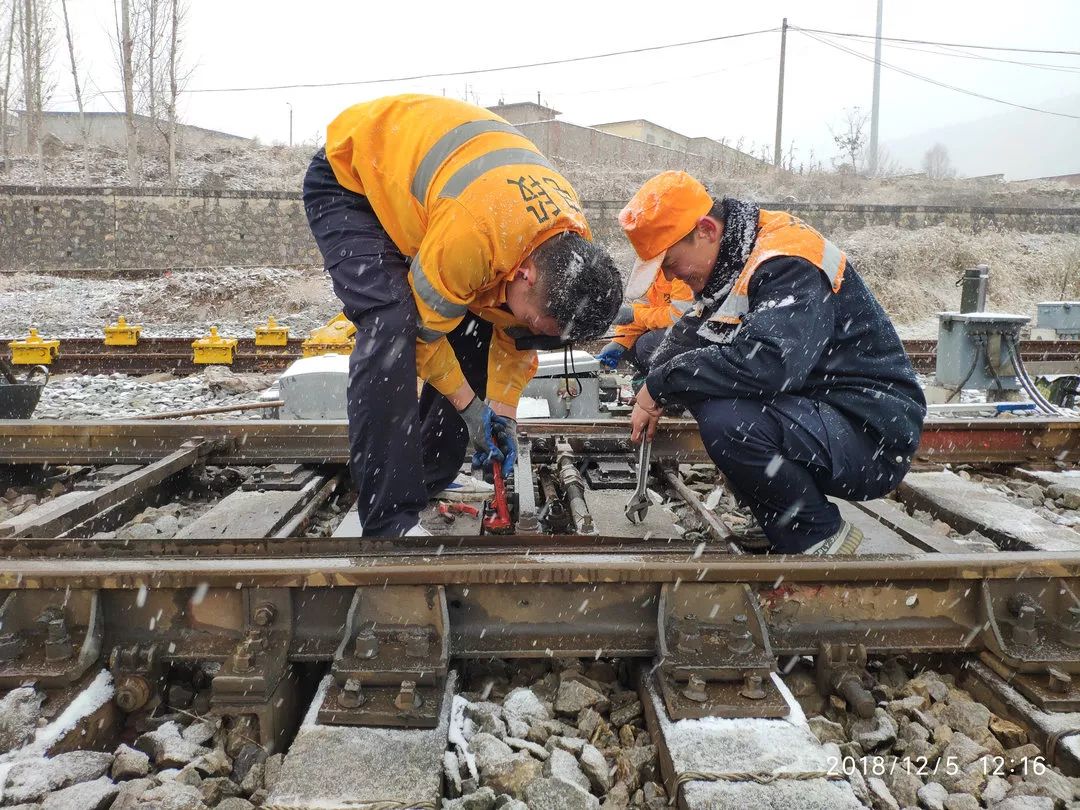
459	564
980	441
257	613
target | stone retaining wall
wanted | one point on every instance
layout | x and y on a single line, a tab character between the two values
119	228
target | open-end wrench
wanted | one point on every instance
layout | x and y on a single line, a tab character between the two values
638	505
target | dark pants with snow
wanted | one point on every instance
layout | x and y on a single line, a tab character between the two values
642	351
783	457
401	451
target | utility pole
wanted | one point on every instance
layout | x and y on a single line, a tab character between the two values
777	153
876	103
290	122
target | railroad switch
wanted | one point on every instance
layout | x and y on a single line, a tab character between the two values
122	333
34	350
720	665
1030	630
255	680
214	349
46	641
270	334
392	661
335	337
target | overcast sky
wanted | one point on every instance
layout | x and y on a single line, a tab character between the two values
719	89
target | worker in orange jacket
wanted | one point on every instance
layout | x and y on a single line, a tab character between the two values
450	240
798	381
641	325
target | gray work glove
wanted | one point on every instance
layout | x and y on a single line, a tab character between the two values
625	315
493	437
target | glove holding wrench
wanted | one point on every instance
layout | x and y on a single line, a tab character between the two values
643	421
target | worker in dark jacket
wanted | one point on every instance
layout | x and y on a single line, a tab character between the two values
799	383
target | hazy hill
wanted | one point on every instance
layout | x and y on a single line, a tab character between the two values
1018	143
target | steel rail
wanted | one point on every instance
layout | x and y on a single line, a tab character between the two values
460	567
981	441
165	354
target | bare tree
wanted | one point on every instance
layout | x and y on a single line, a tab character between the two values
179	12
83	129
936	163
126	47
5	93
36	45
887	165
850	139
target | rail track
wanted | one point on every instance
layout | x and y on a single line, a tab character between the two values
174	354
294	642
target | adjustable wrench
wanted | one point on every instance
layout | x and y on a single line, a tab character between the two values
638	505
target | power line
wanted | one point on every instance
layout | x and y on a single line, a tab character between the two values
477	71
980	57
933	42
933	81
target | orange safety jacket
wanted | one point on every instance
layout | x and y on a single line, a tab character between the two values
779	234
661	305
468	198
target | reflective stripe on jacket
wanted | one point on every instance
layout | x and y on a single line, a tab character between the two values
780	234
661	305
468	197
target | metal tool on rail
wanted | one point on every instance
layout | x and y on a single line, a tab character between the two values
638	505
497	517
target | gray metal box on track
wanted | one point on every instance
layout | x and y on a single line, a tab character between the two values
550	384
314	387
959	357
1063	317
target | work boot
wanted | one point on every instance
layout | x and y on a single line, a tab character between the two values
417	531
846	540
466	488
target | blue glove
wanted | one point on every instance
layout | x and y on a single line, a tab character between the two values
493	437
504	432
611	354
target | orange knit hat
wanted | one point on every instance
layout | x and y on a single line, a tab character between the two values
663	211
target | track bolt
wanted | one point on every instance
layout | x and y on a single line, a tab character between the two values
350	695
740	641
367	643
417	644
753	688
695	689
57	641
408	699
687	634
1060	682
1023	631
1070	628
132	693
264	615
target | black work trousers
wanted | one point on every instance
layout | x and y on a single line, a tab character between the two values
640	354
783	457
402	451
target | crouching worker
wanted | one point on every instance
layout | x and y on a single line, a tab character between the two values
641	325
447	236
798	381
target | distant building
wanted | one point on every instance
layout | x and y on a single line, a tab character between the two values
634	145
109	130
524	112
641	130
